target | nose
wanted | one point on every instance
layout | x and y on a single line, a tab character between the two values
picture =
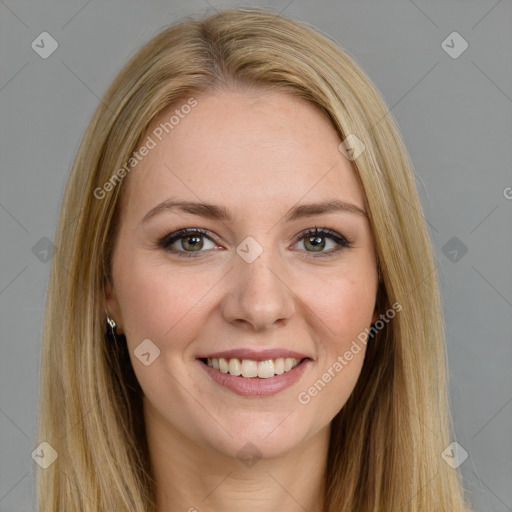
258	297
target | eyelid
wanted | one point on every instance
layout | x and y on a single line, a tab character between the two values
182	233
341	241
324	232
166	242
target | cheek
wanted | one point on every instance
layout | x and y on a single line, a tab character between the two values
158	304
346	307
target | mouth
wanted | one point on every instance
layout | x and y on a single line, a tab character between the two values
251	368
255	377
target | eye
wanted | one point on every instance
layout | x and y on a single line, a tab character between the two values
187	242
316	240
191	242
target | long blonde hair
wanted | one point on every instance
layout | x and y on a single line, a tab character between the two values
386	442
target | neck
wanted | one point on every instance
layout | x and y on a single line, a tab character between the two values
193	478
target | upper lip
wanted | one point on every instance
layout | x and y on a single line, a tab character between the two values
254	355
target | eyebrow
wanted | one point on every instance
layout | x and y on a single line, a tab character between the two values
216	212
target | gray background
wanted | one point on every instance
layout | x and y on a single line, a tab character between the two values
455	116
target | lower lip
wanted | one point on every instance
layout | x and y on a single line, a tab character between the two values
255	386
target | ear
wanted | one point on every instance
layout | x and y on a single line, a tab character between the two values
112	306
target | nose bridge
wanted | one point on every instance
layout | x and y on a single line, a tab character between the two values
257	293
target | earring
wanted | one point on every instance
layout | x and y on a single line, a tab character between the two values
110	329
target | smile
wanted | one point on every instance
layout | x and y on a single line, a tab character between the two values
276	374
248	368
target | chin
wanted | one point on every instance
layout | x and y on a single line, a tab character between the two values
258	434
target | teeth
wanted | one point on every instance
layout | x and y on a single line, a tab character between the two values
223	365
249	369
279	366
266	369
235	368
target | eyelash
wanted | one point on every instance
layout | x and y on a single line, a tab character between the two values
340	240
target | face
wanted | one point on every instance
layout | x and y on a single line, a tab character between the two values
251	283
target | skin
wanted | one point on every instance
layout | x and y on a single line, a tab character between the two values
258	154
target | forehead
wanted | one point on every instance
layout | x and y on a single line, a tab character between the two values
248	150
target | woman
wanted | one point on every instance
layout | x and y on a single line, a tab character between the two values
244	309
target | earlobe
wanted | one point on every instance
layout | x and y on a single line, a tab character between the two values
112	306
109	297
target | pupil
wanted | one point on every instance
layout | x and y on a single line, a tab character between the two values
194	245
317	242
